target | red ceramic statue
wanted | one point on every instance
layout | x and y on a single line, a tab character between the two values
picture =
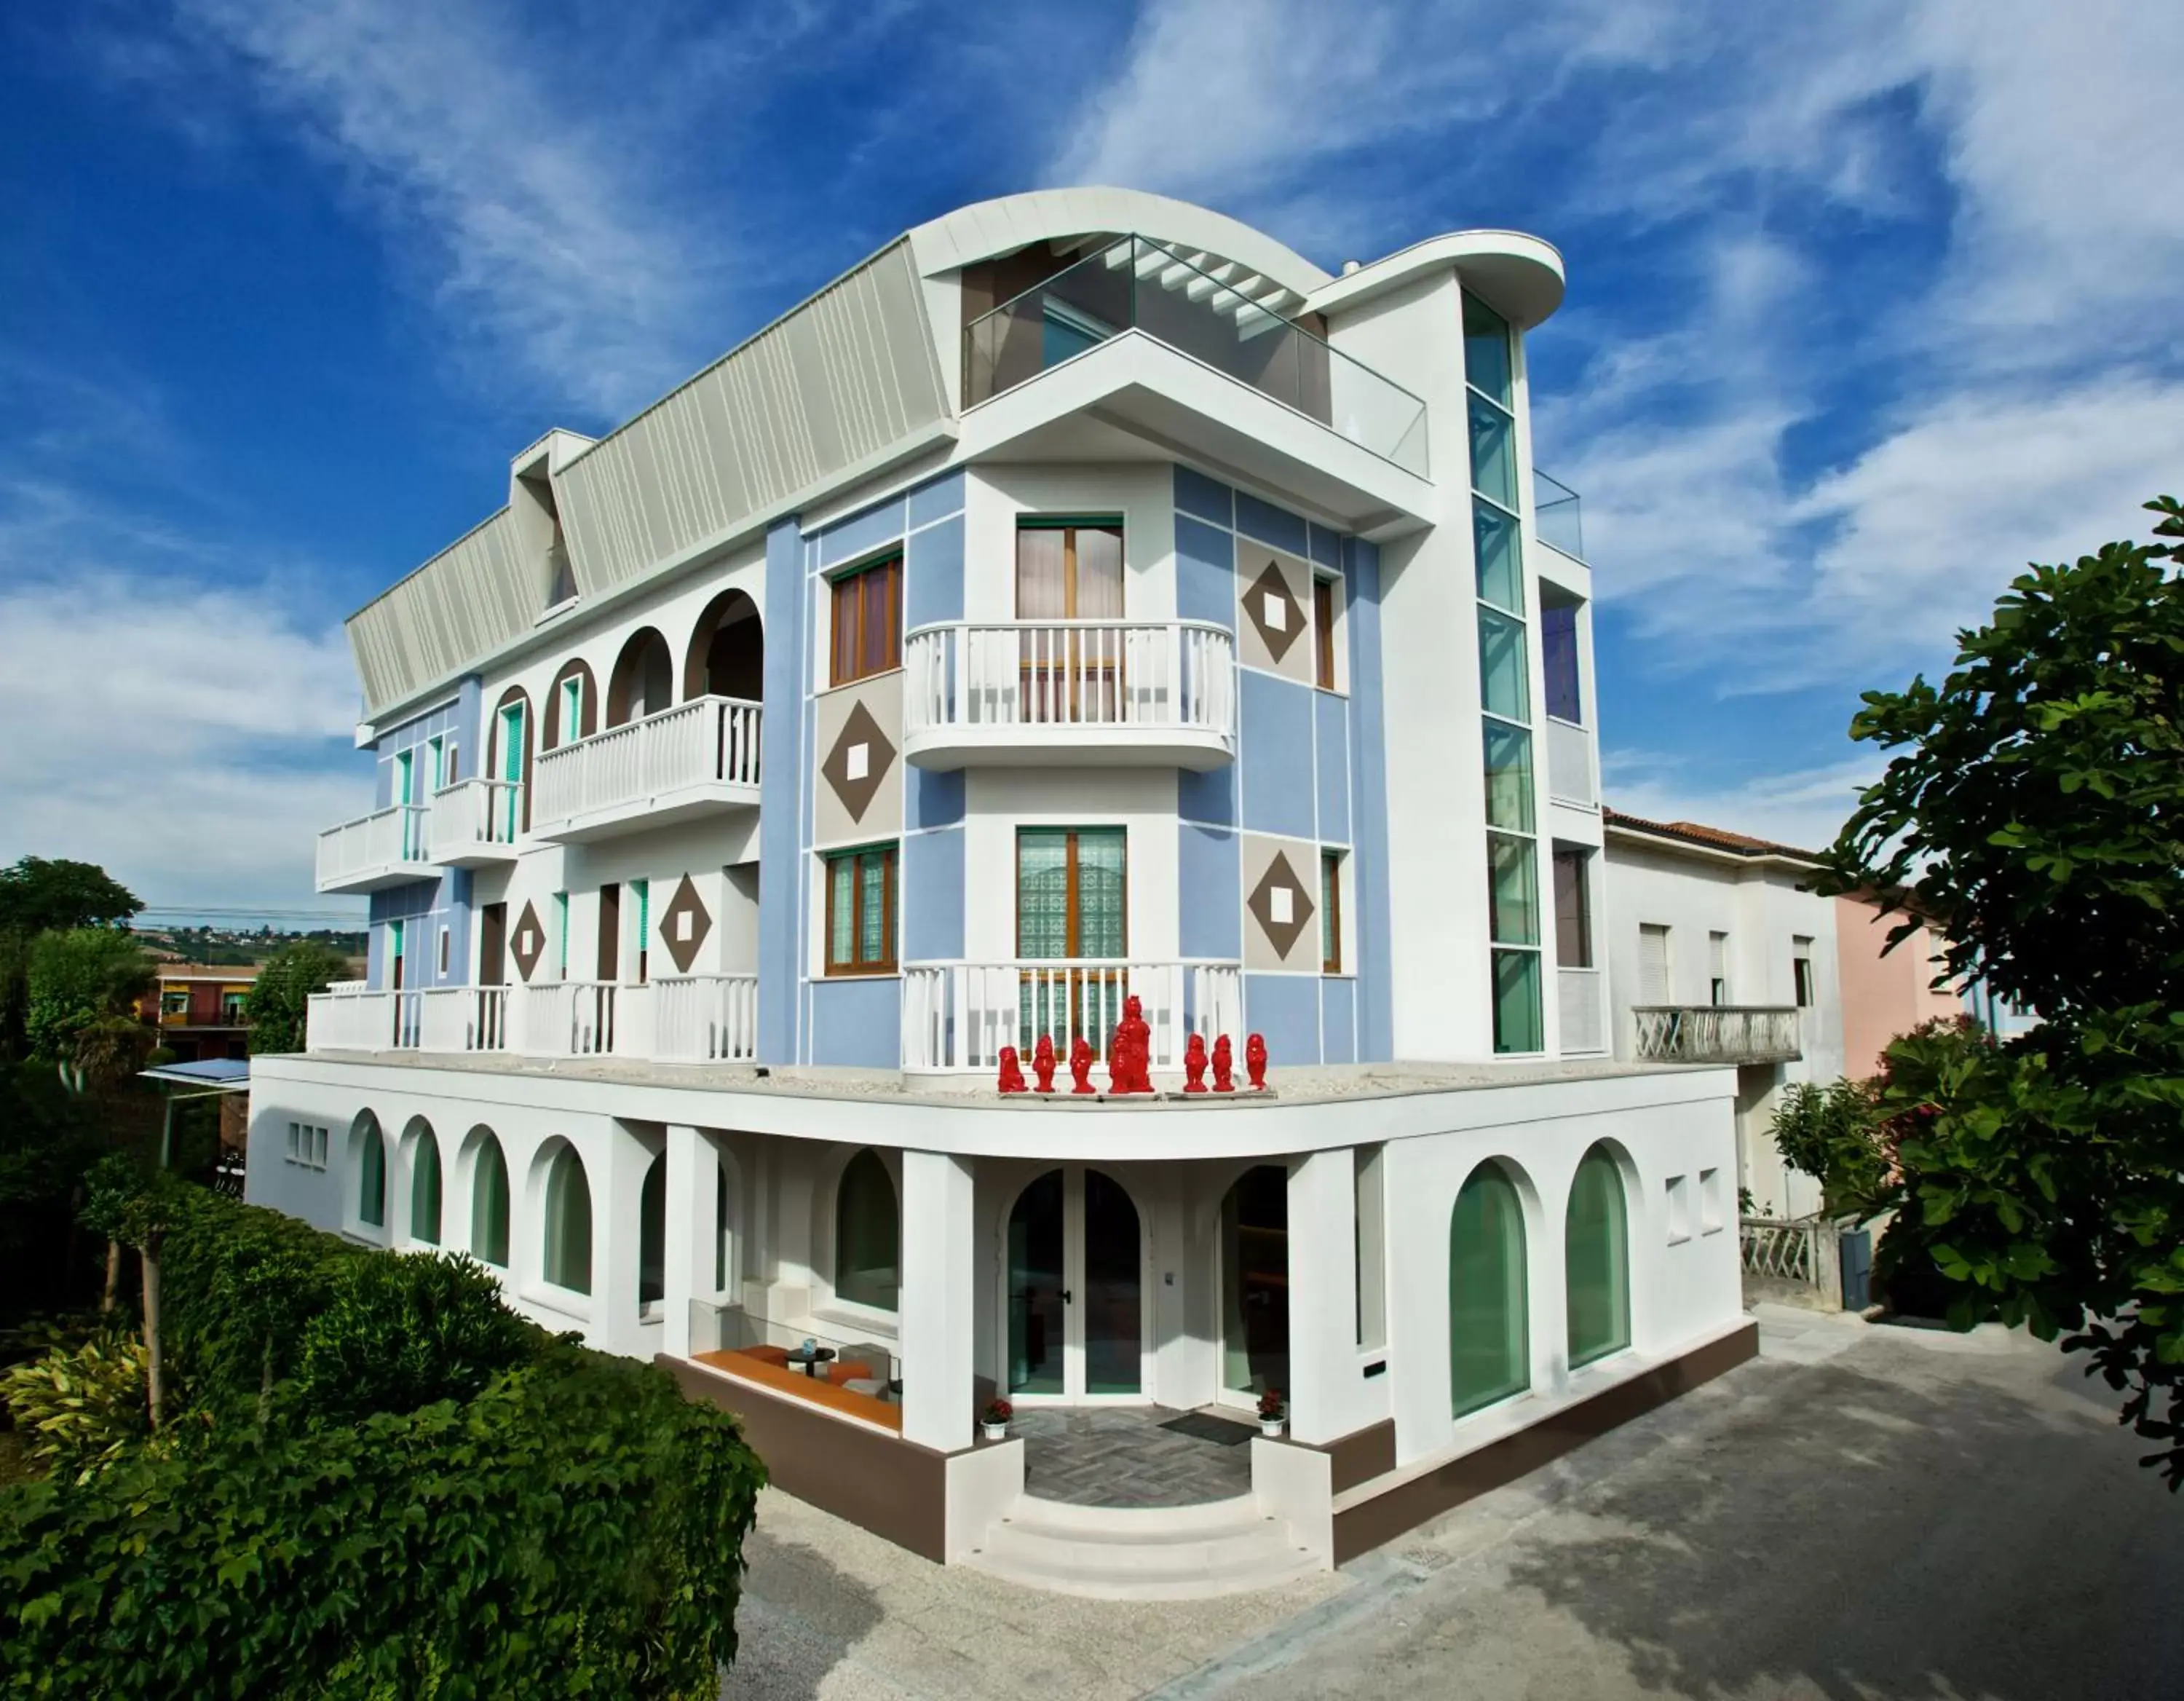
1255	1061
1080	1064
1118	1059
1042	1063
1194	1064
1140	1033
1224	1066
1013	1080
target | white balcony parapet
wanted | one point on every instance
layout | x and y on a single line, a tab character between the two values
477	822
1583	1021
1717	1033
1070	693
463	1019
959	1015
692	759
348	1016
698	1019
704	1018
1570	764
385	848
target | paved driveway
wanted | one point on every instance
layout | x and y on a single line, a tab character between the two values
1860	1514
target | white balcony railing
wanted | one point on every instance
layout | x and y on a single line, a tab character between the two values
1570	764
696	757
959	1015
706	1018
477	821
1584	1022
385	848
1079	689
463	1019
699	1018
1716	1032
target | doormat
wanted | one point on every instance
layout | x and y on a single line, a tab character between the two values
1205	1427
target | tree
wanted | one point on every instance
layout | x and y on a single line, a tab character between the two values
1832	1134
279	999
2036	818
38	895
79	980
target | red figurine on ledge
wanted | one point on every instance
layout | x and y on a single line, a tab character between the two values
1194	1064
1042	1063
1254	1060
1224	1066
1080	1064
1013	1080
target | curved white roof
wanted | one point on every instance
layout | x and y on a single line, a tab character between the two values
1521	274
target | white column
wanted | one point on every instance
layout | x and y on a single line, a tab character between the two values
617	1193
1324	1382
938	1248
693	1196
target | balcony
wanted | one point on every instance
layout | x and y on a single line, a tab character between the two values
696	1019
697	758
1717	1033
1570	776
1211	315
1557	515
385	848
1070	694
477	823
1578	1003
959	1015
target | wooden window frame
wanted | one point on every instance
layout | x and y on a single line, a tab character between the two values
1330	886
891	874
1324	615
1069	525
847	598
1073	932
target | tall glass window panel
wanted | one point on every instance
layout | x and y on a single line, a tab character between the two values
1069	569
1038	1323
1493	452
1099	888
1114	1302
1517	1026
1489	1354
568	1223
424	1191
1071	892
1596	1260
1572	911
1494	537
1486	363
1513	889
1255	1281
1504	688
371	1177
1042	893
1558	662
867	1235
1509	777
489	1204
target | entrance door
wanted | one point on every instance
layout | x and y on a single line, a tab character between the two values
397	955
1075	1295
511	769
493	944
1255	1285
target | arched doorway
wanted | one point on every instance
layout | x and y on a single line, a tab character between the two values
726	657
1489	1329
424	1150
1255	1284
1597	1259
867	1235
371	1148
567	1250
488	1198
1075	1296
652	1236
643	678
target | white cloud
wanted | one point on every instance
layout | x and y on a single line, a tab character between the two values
1804	807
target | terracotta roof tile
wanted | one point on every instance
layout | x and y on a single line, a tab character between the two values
1715	838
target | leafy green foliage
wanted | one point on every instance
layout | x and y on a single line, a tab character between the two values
278	1001
399	1333
41	894
2036	818
79	980
1832	1133
80	1405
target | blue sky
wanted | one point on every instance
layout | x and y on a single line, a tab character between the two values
1869	305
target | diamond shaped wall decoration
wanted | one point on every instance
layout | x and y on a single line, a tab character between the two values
683	925
859	761
529	942
1280	904
1273	613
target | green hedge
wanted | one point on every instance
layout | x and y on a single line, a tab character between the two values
571	1526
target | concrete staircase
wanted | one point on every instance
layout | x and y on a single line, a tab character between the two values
1142	1553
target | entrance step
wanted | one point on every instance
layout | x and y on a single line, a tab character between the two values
1142	1553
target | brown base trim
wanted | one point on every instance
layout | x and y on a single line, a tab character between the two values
1403	1507
1360	1456
894	1488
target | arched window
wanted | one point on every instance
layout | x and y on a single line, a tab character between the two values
642	682
726	657
867	1235
1596	1260
370	1172
424	1182
490	1202
568	1223
572	706
1489	1336
652	1235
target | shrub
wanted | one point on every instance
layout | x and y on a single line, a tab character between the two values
80	1405
398	1333
1832	1134
280	997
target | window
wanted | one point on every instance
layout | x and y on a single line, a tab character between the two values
176	1002
1322	631
1330	913
1069	569
307	1146
1372	1214
1558	662
652	1236
319	1137
860	912
572	709
1572	911
1488	1328
568	1262
868	620
1595	1260
1652	965
424	1188
1679	1209
1801	970
1710	1201
642	889
370	1173
1072	889
561	935
447	947
489	1203
867	1235
1717	969
435	761
232	1008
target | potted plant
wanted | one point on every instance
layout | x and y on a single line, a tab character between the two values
1271	1409
995	1419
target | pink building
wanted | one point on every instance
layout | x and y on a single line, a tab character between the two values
1883	996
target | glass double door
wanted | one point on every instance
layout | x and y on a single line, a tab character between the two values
1075	1297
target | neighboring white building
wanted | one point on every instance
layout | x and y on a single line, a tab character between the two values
1715	957
1084	598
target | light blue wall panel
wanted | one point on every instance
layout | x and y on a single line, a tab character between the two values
1274	754
1326	547
1368	834
781	866
1270	524
932	799
1206	498
933	501
1205	573
1209	893
1210	797
1337	1003
861	533
1285	1009
932	896
1330	721
932	574
856	1024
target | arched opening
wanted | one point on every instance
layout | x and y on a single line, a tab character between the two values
423	1146
725	1272
1075	1302
508	758
489	1199
369	1146
652	1235
568	1227
643	678
1255	1282
1489	1334
1037	1317
726	657
572	706
1597	1259
867	1235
